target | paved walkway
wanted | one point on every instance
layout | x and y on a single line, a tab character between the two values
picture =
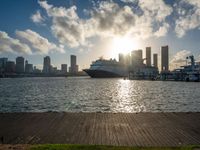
124	129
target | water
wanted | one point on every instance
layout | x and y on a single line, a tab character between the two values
97	95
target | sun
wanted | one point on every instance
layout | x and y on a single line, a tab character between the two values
123	45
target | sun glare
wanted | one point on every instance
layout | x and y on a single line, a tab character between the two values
123	45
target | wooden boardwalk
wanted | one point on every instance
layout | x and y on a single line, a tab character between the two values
124	129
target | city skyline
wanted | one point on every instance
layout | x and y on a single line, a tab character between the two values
22	66
88	29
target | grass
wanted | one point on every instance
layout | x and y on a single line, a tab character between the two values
97	147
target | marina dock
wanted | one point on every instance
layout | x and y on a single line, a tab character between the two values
120	129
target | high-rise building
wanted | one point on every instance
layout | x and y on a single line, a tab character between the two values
47	65
64	68
19	65
136	58
73	60
148	56
3	64
164	58
140	55
10	67
74	67
155	60
121	58
124	59
28	67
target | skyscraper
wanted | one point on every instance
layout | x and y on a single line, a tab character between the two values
47	65
10	66
74	67
136	58
148	56
64	68
3	64
121	58
155	60
164	58
28	67
20	65
124	59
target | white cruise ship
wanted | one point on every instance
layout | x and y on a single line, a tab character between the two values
102	68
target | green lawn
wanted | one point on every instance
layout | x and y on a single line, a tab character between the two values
96	147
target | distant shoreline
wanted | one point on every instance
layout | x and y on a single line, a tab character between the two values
37	75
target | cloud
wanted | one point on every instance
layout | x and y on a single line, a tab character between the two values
162	31
67	27
27	42
179	58
188	16
111	19
198	59
39	44
37	18
108	19
154	17
129	1
8	44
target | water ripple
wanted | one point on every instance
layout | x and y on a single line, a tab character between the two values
97	95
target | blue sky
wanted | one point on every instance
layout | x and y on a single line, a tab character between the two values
90	29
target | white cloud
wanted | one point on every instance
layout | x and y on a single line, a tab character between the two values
28	42
37	18
8	44
129	1
198	59
108	19
39	44
67	27
188	16
153	21
179	59
162	31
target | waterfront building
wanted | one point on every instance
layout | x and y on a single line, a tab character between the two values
28	67
164	58
47	65
140	71
64	68
144	73
54	69
121	58
36	70
10	67
136	58
148	56
3	64
155	60
124	59
19	65
73	69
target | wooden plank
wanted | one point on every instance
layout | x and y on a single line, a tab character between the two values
124	129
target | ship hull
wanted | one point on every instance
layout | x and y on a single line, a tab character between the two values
101	74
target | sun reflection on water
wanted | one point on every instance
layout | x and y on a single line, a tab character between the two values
127	98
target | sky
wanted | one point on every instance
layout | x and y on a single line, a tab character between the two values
90	29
